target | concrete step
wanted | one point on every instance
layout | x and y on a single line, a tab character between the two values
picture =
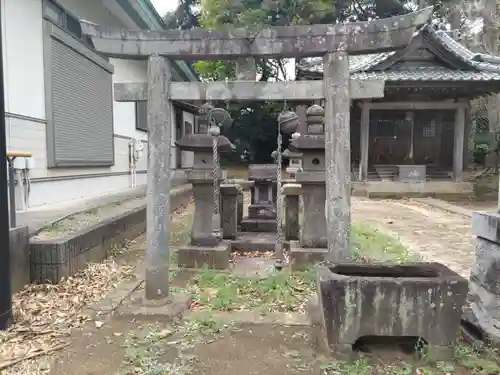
258	225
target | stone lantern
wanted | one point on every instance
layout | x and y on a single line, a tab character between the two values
205	248
313	239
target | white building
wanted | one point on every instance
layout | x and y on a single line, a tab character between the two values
59	98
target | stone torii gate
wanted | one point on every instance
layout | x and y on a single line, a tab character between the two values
334	42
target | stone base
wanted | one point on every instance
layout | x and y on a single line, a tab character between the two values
215	257
301	257
254	241
171	308
258	225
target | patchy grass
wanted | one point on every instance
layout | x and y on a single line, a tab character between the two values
148	353
161	350
358	367
278	292
372	245
484	362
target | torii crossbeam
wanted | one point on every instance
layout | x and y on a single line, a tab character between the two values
334	42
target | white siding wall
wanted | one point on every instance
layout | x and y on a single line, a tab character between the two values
25	103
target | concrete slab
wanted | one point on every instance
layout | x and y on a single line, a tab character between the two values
398	189
254	241
253	267
258	225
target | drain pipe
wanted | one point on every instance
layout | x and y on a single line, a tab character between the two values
11	158
5	287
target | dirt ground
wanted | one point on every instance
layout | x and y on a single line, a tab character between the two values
434	234
119	346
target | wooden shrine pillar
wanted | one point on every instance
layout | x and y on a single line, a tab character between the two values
458	143
364	141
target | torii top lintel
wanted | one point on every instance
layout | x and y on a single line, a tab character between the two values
285	41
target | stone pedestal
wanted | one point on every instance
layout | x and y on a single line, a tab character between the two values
205	248
239	209
313	230
229	210
262	210
313	238
292	213
484	285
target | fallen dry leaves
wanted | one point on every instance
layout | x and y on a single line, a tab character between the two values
45	314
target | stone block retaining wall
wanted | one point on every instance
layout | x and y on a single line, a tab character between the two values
50	260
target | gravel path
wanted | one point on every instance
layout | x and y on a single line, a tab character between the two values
432	233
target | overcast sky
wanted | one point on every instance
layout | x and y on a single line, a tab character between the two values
163	6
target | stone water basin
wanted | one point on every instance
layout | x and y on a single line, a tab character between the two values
421	300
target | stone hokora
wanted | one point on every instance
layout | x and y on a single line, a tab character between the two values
262	210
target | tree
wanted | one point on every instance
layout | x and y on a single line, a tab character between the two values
184	16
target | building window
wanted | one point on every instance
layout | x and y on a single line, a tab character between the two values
69	23
54	13
429	130
141	115
80	107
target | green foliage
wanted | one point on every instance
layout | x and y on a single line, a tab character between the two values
184	16
215	70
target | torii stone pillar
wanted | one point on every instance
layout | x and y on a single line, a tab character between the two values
337	155
159	183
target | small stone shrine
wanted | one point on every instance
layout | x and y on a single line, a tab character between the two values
262	209
206	247
313	239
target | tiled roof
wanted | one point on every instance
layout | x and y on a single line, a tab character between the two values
428	74
480	67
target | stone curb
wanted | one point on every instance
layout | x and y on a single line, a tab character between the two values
436	203
252	317
114	299
33	232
